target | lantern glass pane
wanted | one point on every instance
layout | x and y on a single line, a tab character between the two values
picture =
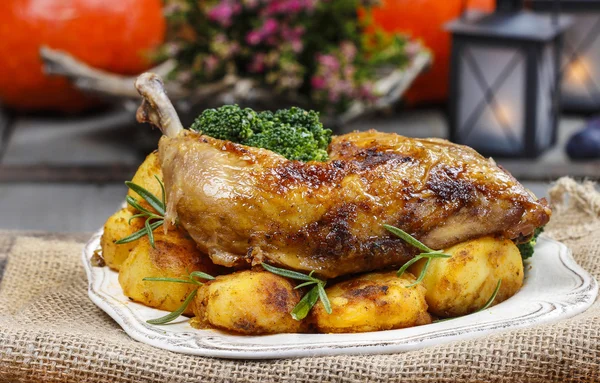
581	60
491	105
546	97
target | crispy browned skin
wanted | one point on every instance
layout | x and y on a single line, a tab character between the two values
245	205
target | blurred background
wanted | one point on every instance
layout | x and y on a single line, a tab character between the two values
516	80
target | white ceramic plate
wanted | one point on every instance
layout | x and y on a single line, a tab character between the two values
555	288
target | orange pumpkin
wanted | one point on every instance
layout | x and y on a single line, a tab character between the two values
424	20
115	35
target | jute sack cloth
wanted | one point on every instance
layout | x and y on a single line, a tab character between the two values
50	331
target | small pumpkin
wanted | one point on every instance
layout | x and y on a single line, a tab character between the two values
424	20
114	35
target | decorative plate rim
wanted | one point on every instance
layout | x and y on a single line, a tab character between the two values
548	307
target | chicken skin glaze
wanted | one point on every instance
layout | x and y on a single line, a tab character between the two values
244	205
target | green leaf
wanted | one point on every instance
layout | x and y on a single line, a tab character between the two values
485	307
133	202
492	298
148	197
162	188
140	233
435	254
150	233
408	238
408	264
165	279
287	273
324	298
134	217
201	275
422	274
175	314
301	285
306	303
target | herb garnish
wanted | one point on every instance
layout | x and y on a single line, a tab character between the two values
485	306
427	253
492	298
191	279
307	302
154	219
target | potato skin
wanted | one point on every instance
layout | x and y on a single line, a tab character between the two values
115	228
372	302
174	256
144	177
464	283
249	302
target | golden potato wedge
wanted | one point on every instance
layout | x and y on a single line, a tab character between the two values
464	283
115	228
174	256
145	177
248	302
372	302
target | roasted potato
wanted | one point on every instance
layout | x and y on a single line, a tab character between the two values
372	302
248	302
145	177
115	228
174	256
464	283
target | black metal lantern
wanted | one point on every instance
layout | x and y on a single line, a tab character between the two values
503	82
580	55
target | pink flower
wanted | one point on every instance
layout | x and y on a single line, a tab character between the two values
253	38
330	62
211	63
223	12
269	27
267	32
318	82
257	65
348	50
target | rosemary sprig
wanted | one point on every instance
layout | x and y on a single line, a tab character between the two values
485	307
492	298
427	253
154	219
307	302
191	279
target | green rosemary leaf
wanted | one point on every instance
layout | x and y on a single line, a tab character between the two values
301	285
145	212
492	298
148	197
201	275
408	238
175	314
150	233
408	264
306	304
139	234
486	306
134	217
165	279
324	298
422	274
435	254
162	188
287	273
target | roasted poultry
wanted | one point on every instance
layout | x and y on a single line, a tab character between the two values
244	205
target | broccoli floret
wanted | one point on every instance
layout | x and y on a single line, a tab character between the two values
229	122
294	133
527	248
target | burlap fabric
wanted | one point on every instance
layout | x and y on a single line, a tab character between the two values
50	331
